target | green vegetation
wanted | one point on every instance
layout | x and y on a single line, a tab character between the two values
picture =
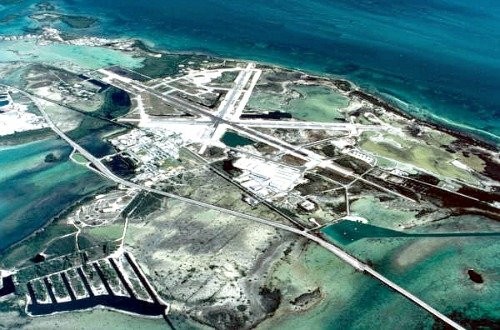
109	274
44	269
58	285
77	22
138	288
225	80
62	246
116	103
86	242
79	159
429	158
142	205
26	136
40	290
21	253
167	64
304	102
317	103
76	282
92	275
169	163
62	263
106	233
266	101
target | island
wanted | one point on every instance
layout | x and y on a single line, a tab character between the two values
228	193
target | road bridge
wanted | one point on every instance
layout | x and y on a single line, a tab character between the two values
341	254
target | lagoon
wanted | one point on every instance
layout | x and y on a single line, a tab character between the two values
32	191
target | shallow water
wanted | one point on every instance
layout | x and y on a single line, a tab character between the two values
442	58
57	54
33	191
435	268
315	103
351	299
234	140
346	232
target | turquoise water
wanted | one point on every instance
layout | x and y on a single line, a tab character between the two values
33	191
346	232
234	140
432	263
83	56
442	57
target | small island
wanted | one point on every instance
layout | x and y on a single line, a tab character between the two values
475	276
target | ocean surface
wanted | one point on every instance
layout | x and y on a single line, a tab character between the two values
439	58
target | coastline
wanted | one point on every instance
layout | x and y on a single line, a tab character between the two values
131	44
56	218
441	124
358	92
140	45
460	131
461	135
437	87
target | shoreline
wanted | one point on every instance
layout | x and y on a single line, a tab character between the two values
354	91
57	217
98	307
441	124
131	44
138	45
467	138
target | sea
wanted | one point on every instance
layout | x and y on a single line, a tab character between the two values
439	60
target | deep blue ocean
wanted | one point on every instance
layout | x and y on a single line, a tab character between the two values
440	57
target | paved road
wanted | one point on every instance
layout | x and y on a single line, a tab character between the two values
358	265
228	104
235	93
308	125
296	151
199	111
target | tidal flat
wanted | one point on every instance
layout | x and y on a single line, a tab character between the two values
302	101
346	299
94	319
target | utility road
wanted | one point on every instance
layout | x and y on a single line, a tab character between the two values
352	261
